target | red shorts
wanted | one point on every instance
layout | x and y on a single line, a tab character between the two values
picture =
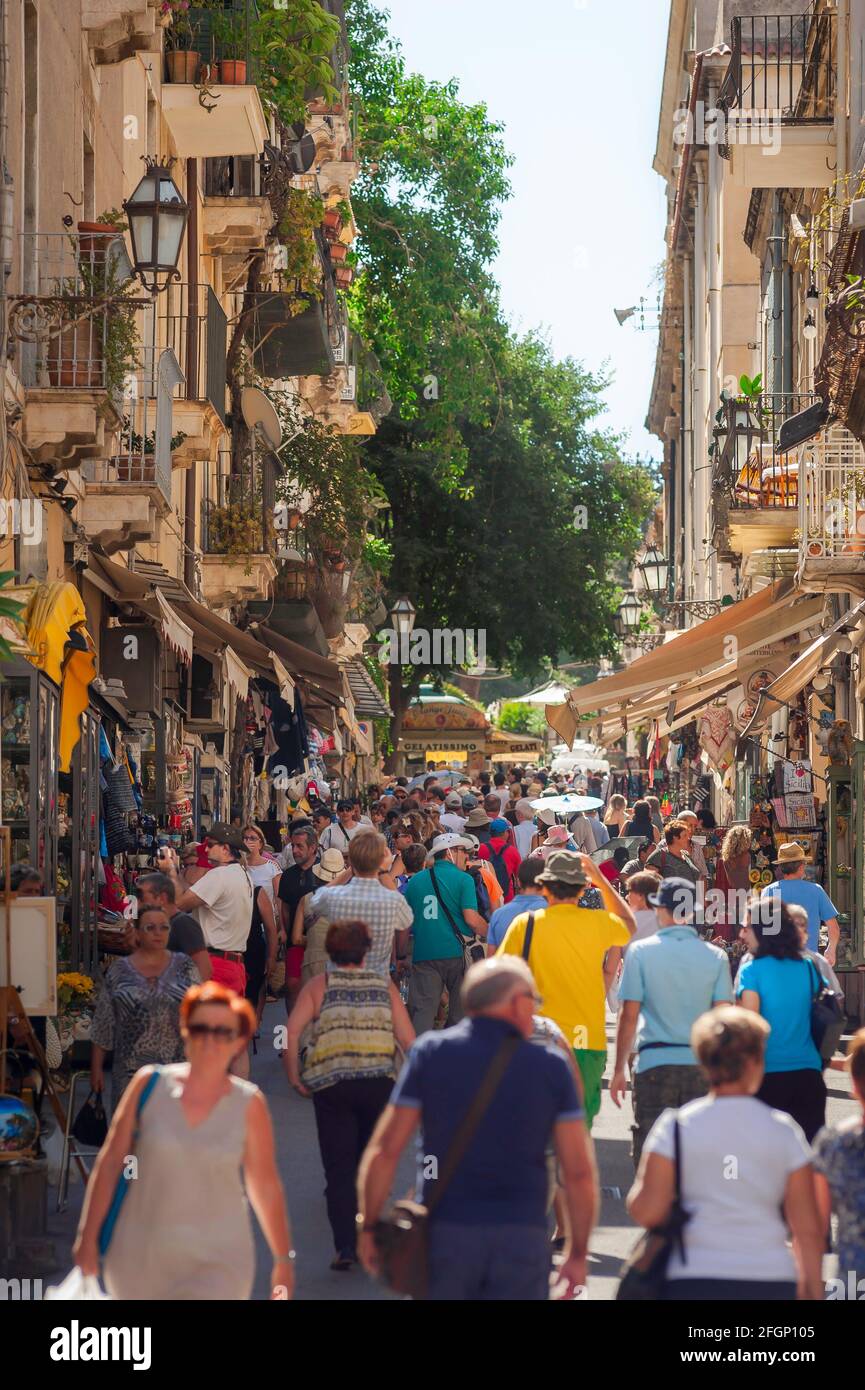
231	973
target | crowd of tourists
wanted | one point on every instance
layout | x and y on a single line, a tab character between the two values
450	953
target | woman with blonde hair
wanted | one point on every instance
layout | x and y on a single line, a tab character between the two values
732	879
734	1240
616	816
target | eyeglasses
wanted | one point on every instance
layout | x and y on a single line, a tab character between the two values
219	1031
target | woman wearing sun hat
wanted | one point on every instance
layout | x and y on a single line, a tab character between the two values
310	930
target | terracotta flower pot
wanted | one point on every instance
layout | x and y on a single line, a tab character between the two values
182	64
75	356
338	251
234	72
344	275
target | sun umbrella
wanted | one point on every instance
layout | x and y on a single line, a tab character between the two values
568	804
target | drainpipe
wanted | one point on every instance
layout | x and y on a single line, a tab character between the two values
192	364
700	452
6	206
687	462
713	380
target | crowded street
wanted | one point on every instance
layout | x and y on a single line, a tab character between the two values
432	690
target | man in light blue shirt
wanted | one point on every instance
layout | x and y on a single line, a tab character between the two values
668	981
528	899
599	830
793	887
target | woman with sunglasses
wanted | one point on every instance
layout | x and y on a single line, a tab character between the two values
138	1008
204	1143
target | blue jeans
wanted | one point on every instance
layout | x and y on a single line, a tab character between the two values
488	1263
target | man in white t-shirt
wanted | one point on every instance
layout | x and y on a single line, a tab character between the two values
524	830
222	902
452	818
342	831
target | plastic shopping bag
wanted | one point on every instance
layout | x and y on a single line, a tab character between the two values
77	1288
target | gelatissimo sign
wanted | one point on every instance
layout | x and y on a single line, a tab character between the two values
419	743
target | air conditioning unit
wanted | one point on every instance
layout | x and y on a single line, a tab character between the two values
349	390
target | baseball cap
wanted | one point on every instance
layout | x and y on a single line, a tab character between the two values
499	826
222	834
469	802
677	895
449	841
454	799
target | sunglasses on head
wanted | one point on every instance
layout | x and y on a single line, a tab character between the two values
220	1031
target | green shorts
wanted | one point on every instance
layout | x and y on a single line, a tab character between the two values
592	1063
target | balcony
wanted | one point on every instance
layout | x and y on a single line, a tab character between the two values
778	101
238	538
74	340
210	101
832	513
118	29
193	324
353	399
756	499
288	343
237	214
128	493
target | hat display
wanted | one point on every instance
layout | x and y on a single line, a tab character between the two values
477	818
450	841
790	853
330	865
564	867
222	834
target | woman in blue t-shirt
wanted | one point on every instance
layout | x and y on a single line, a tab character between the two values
780	983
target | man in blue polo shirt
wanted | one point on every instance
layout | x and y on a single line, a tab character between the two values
668	981
793	887
487	1235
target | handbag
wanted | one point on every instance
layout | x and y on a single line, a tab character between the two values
106	1230
402	1236
473	950
90	1127
644	1272
827	1017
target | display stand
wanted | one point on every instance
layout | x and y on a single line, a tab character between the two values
12	1006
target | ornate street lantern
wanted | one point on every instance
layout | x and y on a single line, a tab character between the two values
157	213
655	569
630	612
402	616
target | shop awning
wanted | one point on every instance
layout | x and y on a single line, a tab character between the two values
504	747
820	652
317	671
768	616
368	699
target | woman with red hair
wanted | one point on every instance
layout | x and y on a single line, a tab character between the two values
197	1141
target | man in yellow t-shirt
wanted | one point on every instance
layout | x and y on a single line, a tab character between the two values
566	951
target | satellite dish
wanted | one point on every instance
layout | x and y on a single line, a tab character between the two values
258	412
300	154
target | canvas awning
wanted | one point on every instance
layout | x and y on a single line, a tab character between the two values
60	645
504	747
775	612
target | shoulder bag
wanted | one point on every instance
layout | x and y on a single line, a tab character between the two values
106	1230
472	949
827	1016
402	1236
644	1273
527	939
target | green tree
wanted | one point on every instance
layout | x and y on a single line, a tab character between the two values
515	718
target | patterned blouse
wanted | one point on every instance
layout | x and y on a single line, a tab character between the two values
839	1154
140	1018
353	1037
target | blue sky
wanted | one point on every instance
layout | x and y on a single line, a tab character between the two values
577	85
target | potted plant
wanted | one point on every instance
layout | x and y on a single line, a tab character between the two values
181	59
229	38
97	343
332	223
338	251
343	274
94	237
131	466
76	994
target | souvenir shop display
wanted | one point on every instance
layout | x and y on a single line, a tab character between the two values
29	713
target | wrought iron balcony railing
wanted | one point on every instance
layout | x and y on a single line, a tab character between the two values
226	34
768	477
238	507
147	440
193	323
832	497
74	323
783	65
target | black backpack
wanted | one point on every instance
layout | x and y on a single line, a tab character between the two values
497	859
